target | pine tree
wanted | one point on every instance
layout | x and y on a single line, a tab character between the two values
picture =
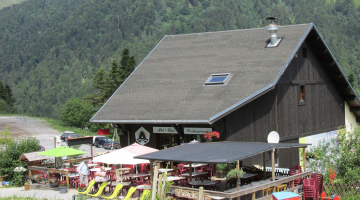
127	63
8	95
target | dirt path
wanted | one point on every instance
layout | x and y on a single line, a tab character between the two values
22	127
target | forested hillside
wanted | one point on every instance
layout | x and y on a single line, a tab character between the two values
4	3
50	50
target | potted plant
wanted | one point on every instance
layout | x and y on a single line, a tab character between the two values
26	186
209	135
37	178
82	188
63	187
54	182
220	169
235	173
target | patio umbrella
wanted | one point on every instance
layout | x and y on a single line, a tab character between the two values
139	149
62	151
120	157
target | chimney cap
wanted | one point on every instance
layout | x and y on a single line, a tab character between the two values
273	20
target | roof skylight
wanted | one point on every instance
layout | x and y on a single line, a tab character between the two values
218	79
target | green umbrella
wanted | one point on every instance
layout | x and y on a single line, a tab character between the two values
62	151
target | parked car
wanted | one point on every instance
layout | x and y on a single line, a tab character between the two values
41	148
66	134
74	136
99	141
108	144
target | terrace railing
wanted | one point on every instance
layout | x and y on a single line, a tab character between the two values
254	191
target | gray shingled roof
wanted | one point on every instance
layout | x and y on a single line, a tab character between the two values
167	87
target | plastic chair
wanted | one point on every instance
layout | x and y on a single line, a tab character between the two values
112	180
144	194
99	192
181	169
309	189
281	187
88	188
115	193
130	192
267	191
319	182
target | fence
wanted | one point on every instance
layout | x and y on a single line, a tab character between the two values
341	189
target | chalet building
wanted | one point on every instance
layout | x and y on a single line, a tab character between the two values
242	83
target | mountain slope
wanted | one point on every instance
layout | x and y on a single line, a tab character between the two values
4	3
50	49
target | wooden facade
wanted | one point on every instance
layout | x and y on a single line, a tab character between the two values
283	111
280	109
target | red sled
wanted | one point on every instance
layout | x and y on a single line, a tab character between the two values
285	196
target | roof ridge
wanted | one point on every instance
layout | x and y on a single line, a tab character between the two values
200	33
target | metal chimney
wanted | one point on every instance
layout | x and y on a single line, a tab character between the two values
272	30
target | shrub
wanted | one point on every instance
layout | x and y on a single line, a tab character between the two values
9	158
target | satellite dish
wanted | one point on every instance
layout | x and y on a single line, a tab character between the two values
273	137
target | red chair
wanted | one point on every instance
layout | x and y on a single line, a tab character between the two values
181	169
210	170
296	167
309	189
319	182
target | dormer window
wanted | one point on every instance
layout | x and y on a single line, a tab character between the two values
218	79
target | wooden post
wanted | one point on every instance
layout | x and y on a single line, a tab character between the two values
54	142
162	195
92	155
190	172
70	160
273	164
237	179
153	193
158	184
201	193
264	164
304	159
151	170
67	178
253	196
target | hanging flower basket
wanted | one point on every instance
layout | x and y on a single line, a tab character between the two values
103	132
211	134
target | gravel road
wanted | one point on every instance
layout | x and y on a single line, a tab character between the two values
22	127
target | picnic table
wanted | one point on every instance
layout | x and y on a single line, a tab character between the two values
138	175
98	169
195	165
162	170
194	174
202	183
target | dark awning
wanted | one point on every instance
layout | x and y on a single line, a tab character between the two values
215	152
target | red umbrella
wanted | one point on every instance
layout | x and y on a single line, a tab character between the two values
103	132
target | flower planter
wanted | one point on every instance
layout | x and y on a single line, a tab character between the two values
63	189
219	174
27	187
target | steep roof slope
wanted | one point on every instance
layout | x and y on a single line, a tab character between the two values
168	86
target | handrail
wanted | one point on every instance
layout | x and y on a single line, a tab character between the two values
250	190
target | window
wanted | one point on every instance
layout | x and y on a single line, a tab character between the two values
304	52
302	95
218	79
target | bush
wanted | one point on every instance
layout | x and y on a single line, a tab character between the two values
9	158
341	157
221	167
77	113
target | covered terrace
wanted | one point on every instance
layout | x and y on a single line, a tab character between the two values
229	152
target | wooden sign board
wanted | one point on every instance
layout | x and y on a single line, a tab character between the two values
80	140
191	194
